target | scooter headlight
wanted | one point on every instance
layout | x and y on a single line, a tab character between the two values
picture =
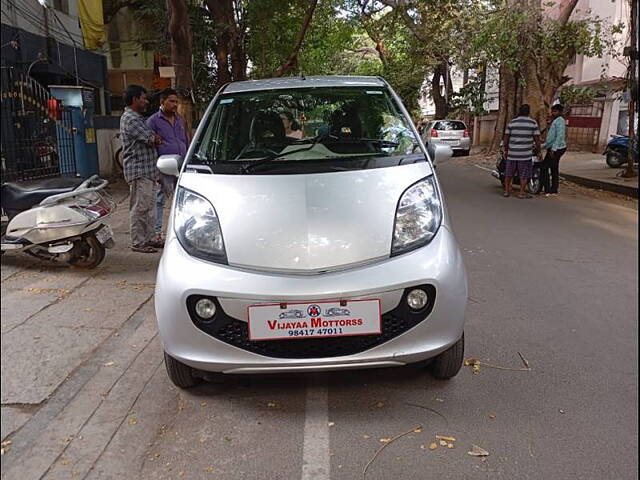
418	216
197	227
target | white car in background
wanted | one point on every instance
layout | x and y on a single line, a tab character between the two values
453	133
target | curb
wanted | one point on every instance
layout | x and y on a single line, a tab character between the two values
607	186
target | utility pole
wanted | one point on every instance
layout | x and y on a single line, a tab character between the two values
632	84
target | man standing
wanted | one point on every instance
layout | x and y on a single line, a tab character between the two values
556	145
171	128
139	165
519	138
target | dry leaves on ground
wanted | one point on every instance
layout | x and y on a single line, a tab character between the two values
476	451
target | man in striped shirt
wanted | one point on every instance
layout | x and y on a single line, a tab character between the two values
519	138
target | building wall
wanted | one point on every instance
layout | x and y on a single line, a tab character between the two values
29	15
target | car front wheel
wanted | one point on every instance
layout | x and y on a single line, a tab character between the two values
448	363
180	374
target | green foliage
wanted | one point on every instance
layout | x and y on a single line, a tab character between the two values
572	95
470	99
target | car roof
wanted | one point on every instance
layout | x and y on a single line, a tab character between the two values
448	120
304	82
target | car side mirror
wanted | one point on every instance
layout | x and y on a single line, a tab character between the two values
169	164
439	153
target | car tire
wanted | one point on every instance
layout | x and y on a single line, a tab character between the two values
448	363
180	374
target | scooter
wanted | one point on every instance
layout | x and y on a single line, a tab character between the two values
617	150
58	219
534	183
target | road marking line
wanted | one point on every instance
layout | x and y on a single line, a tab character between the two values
483	168
315	450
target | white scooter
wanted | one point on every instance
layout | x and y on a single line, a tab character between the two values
58	219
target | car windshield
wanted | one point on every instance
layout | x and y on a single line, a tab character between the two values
295	128
449	125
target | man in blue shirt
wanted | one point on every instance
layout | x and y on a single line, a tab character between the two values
171	128
556	145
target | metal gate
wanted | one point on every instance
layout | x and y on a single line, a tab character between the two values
37	136
584	122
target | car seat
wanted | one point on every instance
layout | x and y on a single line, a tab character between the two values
267	129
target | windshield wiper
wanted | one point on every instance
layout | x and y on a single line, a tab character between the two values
275	156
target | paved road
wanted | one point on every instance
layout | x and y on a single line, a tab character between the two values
85	395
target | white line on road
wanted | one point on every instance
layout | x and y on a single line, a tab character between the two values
483	168
315	450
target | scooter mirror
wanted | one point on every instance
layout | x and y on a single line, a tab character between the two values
169	164
439	153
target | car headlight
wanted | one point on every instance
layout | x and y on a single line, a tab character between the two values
197	227
418	216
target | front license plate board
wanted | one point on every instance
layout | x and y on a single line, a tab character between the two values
104	234
314	320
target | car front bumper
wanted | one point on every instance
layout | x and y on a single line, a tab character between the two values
438	264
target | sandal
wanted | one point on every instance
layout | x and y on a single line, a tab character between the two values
143	249
506	194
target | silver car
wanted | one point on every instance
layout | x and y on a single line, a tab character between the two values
340	216
453	133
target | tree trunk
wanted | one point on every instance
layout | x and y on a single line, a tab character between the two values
632	85
231	58
180	31
507	105
440	101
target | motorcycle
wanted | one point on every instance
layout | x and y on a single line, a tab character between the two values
58	219
534	183
617	151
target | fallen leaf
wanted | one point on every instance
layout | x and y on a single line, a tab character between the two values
443	443
133	421
439	400
417	430
331	424
366	436
450	445
380	404
208	469
271	404
5	443
4	450
492	416
561	411
203	404
65	462
445	438
108	364
476	451
385	440
228	439
433	446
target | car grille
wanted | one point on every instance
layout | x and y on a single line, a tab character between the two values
235	332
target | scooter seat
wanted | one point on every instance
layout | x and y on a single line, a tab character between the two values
18	197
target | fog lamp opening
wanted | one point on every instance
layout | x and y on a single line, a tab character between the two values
417	299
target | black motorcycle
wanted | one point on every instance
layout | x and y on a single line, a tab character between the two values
535	182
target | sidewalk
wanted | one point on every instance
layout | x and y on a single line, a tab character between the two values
591	170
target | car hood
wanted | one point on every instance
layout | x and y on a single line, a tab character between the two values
307	223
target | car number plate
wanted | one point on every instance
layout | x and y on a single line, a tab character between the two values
314	319
104	234
452	141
